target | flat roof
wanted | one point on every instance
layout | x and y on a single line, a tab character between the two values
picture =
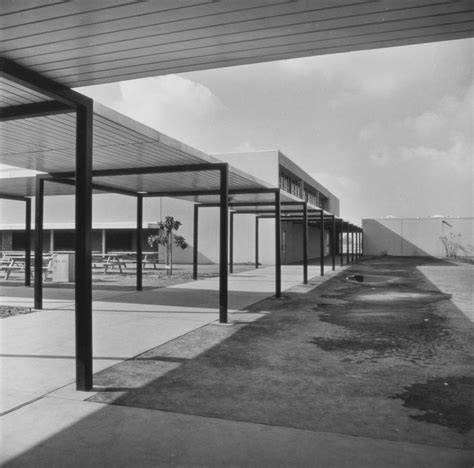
89	42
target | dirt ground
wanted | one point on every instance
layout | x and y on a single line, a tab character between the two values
388	358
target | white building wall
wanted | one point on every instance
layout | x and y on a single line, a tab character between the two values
418	236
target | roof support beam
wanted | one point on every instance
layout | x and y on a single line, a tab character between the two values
34	109
37	82
100	187
6	196
146	170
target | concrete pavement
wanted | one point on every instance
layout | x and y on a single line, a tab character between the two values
61	429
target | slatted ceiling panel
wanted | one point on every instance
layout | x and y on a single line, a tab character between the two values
127	22
257	56
92	12
264	56
172	28
55	128
163	182
297	27
87	42
20	7
15	94
26	186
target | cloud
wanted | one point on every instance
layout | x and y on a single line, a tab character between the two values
171	104
441	135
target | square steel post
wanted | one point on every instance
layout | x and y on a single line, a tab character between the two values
352	244
361	242
277	243
84	117
28	242
224	234
341	243
231	243
305	243
256	241
347	244
139	242
358	244
39	212
333	243
195	241
321	241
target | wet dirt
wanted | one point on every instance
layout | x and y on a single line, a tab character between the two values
371	279
447	401
391	320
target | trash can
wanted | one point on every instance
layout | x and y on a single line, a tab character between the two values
63	267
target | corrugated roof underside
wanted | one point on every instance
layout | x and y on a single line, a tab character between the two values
91	42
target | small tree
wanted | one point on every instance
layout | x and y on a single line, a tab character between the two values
166	237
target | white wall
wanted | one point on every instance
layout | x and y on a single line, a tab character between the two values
417	236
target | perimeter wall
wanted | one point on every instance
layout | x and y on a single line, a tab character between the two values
436	237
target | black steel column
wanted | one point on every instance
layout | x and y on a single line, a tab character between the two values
231	243
256	242
28	242
277	243
321	241
224	232
84	117
139	242
305	243
39	211
333	243
341	243
347	243
352	244
358	243
195	241
361	242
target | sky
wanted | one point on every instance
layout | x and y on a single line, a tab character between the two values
388	131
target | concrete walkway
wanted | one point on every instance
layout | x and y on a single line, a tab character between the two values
61	429
457	280
38	349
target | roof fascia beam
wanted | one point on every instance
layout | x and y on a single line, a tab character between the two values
37	82
34	109
147	170
6	196
101	187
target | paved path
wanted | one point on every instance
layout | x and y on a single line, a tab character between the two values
457	280
61	429
37	350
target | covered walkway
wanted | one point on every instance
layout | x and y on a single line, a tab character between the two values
38	348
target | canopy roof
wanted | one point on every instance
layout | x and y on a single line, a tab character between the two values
89	42
47	144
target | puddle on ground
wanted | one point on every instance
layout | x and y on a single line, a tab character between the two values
445	401
414	337
395	296
351	344
331	301
371	279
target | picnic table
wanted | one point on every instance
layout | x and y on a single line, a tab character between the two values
16	262
120	260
